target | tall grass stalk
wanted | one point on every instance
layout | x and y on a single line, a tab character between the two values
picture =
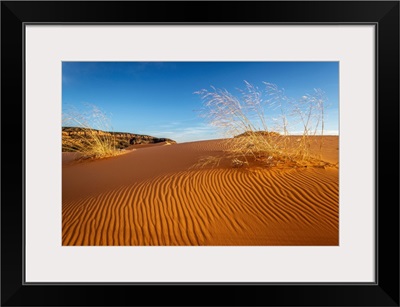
89	136
257	122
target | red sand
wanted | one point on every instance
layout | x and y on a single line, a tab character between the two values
154	196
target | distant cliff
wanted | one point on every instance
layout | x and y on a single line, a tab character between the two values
121	139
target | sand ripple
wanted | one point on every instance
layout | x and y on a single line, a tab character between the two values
210	207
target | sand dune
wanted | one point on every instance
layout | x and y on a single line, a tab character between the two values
154	196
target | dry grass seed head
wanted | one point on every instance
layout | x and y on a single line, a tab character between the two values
246	115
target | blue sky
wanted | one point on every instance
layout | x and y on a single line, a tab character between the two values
158	98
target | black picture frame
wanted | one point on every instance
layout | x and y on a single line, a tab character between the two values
383	14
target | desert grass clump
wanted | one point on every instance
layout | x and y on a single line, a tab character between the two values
89	133
257	123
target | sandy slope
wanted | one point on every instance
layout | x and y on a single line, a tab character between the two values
154	196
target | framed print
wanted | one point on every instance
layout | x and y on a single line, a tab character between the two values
211	152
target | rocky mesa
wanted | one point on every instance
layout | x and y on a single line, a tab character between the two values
121	139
